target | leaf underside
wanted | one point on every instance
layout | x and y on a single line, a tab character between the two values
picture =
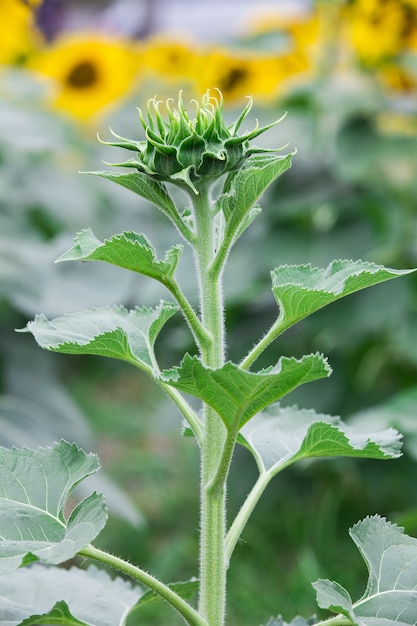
280	435
50	595
390	598
111	331
34	489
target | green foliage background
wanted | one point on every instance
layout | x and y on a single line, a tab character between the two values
350	194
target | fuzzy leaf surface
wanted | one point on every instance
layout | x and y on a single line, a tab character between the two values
243	188
146	187
50	595
110	331
278	436
236	394
300	290
390	598
34	490
132	251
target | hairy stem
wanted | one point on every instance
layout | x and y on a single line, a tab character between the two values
188	413
213	502
199	332
275	330
244	514
190	615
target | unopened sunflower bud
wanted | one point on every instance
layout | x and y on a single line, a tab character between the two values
186	151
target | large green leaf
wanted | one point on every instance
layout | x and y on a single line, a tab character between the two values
130	250
237	394
144	186
243	188
50	595
278	436
300	290
390	598
111	331
34	490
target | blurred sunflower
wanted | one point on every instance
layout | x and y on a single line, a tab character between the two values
378	30
238	76
19	35
170	59
89	72
398	79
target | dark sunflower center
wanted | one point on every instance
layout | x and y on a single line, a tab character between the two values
233	78
82	75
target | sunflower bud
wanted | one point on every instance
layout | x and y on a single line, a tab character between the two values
186	151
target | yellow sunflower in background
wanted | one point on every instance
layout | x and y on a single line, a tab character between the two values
89	72
19	35
377	30
170	59
239	75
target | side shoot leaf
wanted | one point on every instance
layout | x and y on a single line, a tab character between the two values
279	436
236	394
129	250
243	188
111	331
46	595
390	598
34	489
300	290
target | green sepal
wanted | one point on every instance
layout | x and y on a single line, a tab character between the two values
113	332
132	251
236	394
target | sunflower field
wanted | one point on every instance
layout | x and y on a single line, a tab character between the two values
345	73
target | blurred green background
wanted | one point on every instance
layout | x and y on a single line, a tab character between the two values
346	73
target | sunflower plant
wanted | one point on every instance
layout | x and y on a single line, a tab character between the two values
220	176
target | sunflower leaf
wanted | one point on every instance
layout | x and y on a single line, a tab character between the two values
300	290
111	331
34	489
236	394
50	595
390	598
129	250
244	187
143	185
278	436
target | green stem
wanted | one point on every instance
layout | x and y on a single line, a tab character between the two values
213	502
244	514
276	329
187	612
199	332
185	409
250	503
337	620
